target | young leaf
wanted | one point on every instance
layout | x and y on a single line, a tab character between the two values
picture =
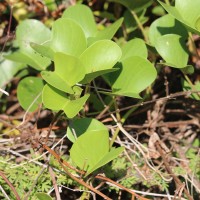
68	71
84	17
55	99
80	126
67	37
29	93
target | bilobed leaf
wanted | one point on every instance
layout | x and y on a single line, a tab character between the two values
166	25
101	55
31	31
134	75
74	106
84	17
91	150
68	71
55	99
187	12
80	126
135	47
29	93
173	50
112	154
67	37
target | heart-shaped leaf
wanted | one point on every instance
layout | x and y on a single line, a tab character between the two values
29	92
55	99
134	75
67	37
84	17
80	126
166	25
68	71
173	50
31	31
91	150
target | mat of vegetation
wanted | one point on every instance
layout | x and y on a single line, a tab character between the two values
99	99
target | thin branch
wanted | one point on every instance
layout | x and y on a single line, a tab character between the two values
10	185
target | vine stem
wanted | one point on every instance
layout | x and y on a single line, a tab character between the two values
140	25
167	2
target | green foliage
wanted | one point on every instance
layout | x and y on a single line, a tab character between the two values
77	51
89	154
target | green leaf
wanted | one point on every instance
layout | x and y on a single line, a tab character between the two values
7	70
166	25
29	93
68	71
196	86
80	126
187	12
55	99
43	196
136	5
43	49
89	154
101	55
84	17
31	31
167	44
135	47
134	76
67	37
106	33
91	76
